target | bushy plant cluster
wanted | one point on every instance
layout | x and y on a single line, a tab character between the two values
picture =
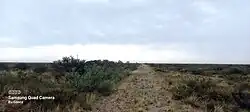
227	88
70	80
97	75
205	91
206	94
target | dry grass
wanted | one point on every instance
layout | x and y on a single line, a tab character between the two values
146	90
208	93
74	91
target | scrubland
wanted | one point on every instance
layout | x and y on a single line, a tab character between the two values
216	88
108	86
74	83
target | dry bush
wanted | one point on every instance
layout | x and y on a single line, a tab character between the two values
206	93
77	87
210	87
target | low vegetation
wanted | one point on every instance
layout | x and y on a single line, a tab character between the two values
75	83
212	88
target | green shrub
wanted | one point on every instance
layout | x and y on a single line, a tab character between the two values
105	87
67	79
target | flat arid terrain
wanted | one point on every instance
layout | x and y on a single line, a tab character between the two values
147	90
125	56
143	91
107	86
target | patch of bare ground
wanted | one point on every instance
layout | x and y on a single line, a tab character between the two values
143	91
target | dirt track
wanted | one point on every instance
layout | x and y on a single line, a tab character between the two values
143	91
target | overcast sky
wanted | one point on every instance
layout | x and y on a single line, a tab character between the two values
204	31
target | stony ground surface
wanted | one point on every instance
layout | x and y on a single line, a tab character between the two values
143	91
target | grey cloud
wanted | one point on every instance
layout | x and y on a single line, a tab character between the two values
211	27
